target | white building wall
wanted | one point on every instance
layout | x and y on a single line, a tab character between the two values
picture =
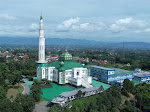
50	73
43	73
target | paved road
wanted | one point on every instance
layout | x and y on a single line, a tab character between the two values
26	89
42	107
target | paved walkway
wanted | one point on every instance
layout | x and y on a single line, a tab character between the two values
26	89
42	107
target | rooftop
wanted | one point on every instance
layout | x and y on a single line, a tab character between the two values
142	74
74	92
67	65
117	70
65	56
102	67
121	71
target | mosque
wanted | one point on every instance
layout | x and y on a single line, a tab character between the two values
63	71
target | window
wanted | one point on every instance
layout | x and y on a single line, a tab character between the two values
51	71
77	73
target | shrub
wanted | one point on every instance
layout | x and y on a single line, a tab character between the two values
30	78
22	81
36	81
48	82
44	79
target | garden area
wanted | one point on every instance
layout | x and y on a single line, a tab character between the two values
55	89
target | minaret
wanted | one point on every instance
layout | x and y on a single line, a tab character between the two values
41	69
41	51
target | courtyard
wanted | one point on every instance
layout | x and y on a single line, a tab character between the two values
50	93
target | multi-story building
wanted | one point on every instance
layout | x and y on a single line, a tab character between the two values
141	76
110	75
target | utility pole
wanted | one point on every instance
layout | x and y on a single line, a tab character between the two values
123	50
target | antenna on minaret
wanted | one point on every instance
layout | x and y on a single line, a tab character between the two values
41	16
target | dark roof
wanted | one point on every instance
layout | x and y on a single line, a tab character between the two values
74	92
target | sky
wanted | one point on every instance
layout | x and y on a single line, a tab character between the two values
99	20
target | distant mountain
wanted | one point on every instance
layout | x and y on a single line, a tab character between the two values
24	41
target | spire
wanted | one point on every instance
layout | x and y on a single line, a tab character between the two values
41	16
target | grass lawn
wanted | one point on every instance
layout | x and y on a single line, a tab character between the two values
50	93
13	91
97	83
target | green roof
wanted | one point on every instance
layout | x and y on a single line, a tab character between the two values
102	67
67	65
121	71
65	56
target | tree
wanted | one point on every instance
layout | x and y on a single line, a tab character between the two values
128	85
101	88
114	109
2	80
26	102
15	77
2	93
36	92
79	94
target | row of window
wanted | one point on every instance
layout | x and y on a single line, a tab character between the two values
41	47
41	56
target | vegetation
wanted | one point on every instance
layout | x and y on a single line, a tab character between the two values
26	102
112	100
13	91
36	92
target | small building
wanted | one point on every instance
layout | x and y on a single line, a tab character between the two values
110	75
71	95
142	76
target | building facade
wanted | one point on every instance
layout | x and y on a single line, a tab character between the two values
71	95
110	75
141	76
63	71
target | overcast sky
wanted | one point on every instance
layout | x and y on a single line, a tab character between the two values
100	20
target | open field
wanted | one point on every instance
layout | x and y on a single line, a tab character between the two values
13	91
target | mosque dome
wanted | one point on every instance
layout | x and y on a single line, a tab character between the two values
65	56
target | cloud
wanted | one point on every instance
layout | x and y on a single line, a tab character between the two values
82	26
68	23
33	27
127	23
147	30
74	24
116	28
7	17
124	21
137	31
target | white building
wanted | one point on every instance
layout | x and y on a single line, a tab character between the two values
63	71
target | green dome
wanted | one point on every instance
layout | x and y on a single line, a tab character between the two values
65	56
